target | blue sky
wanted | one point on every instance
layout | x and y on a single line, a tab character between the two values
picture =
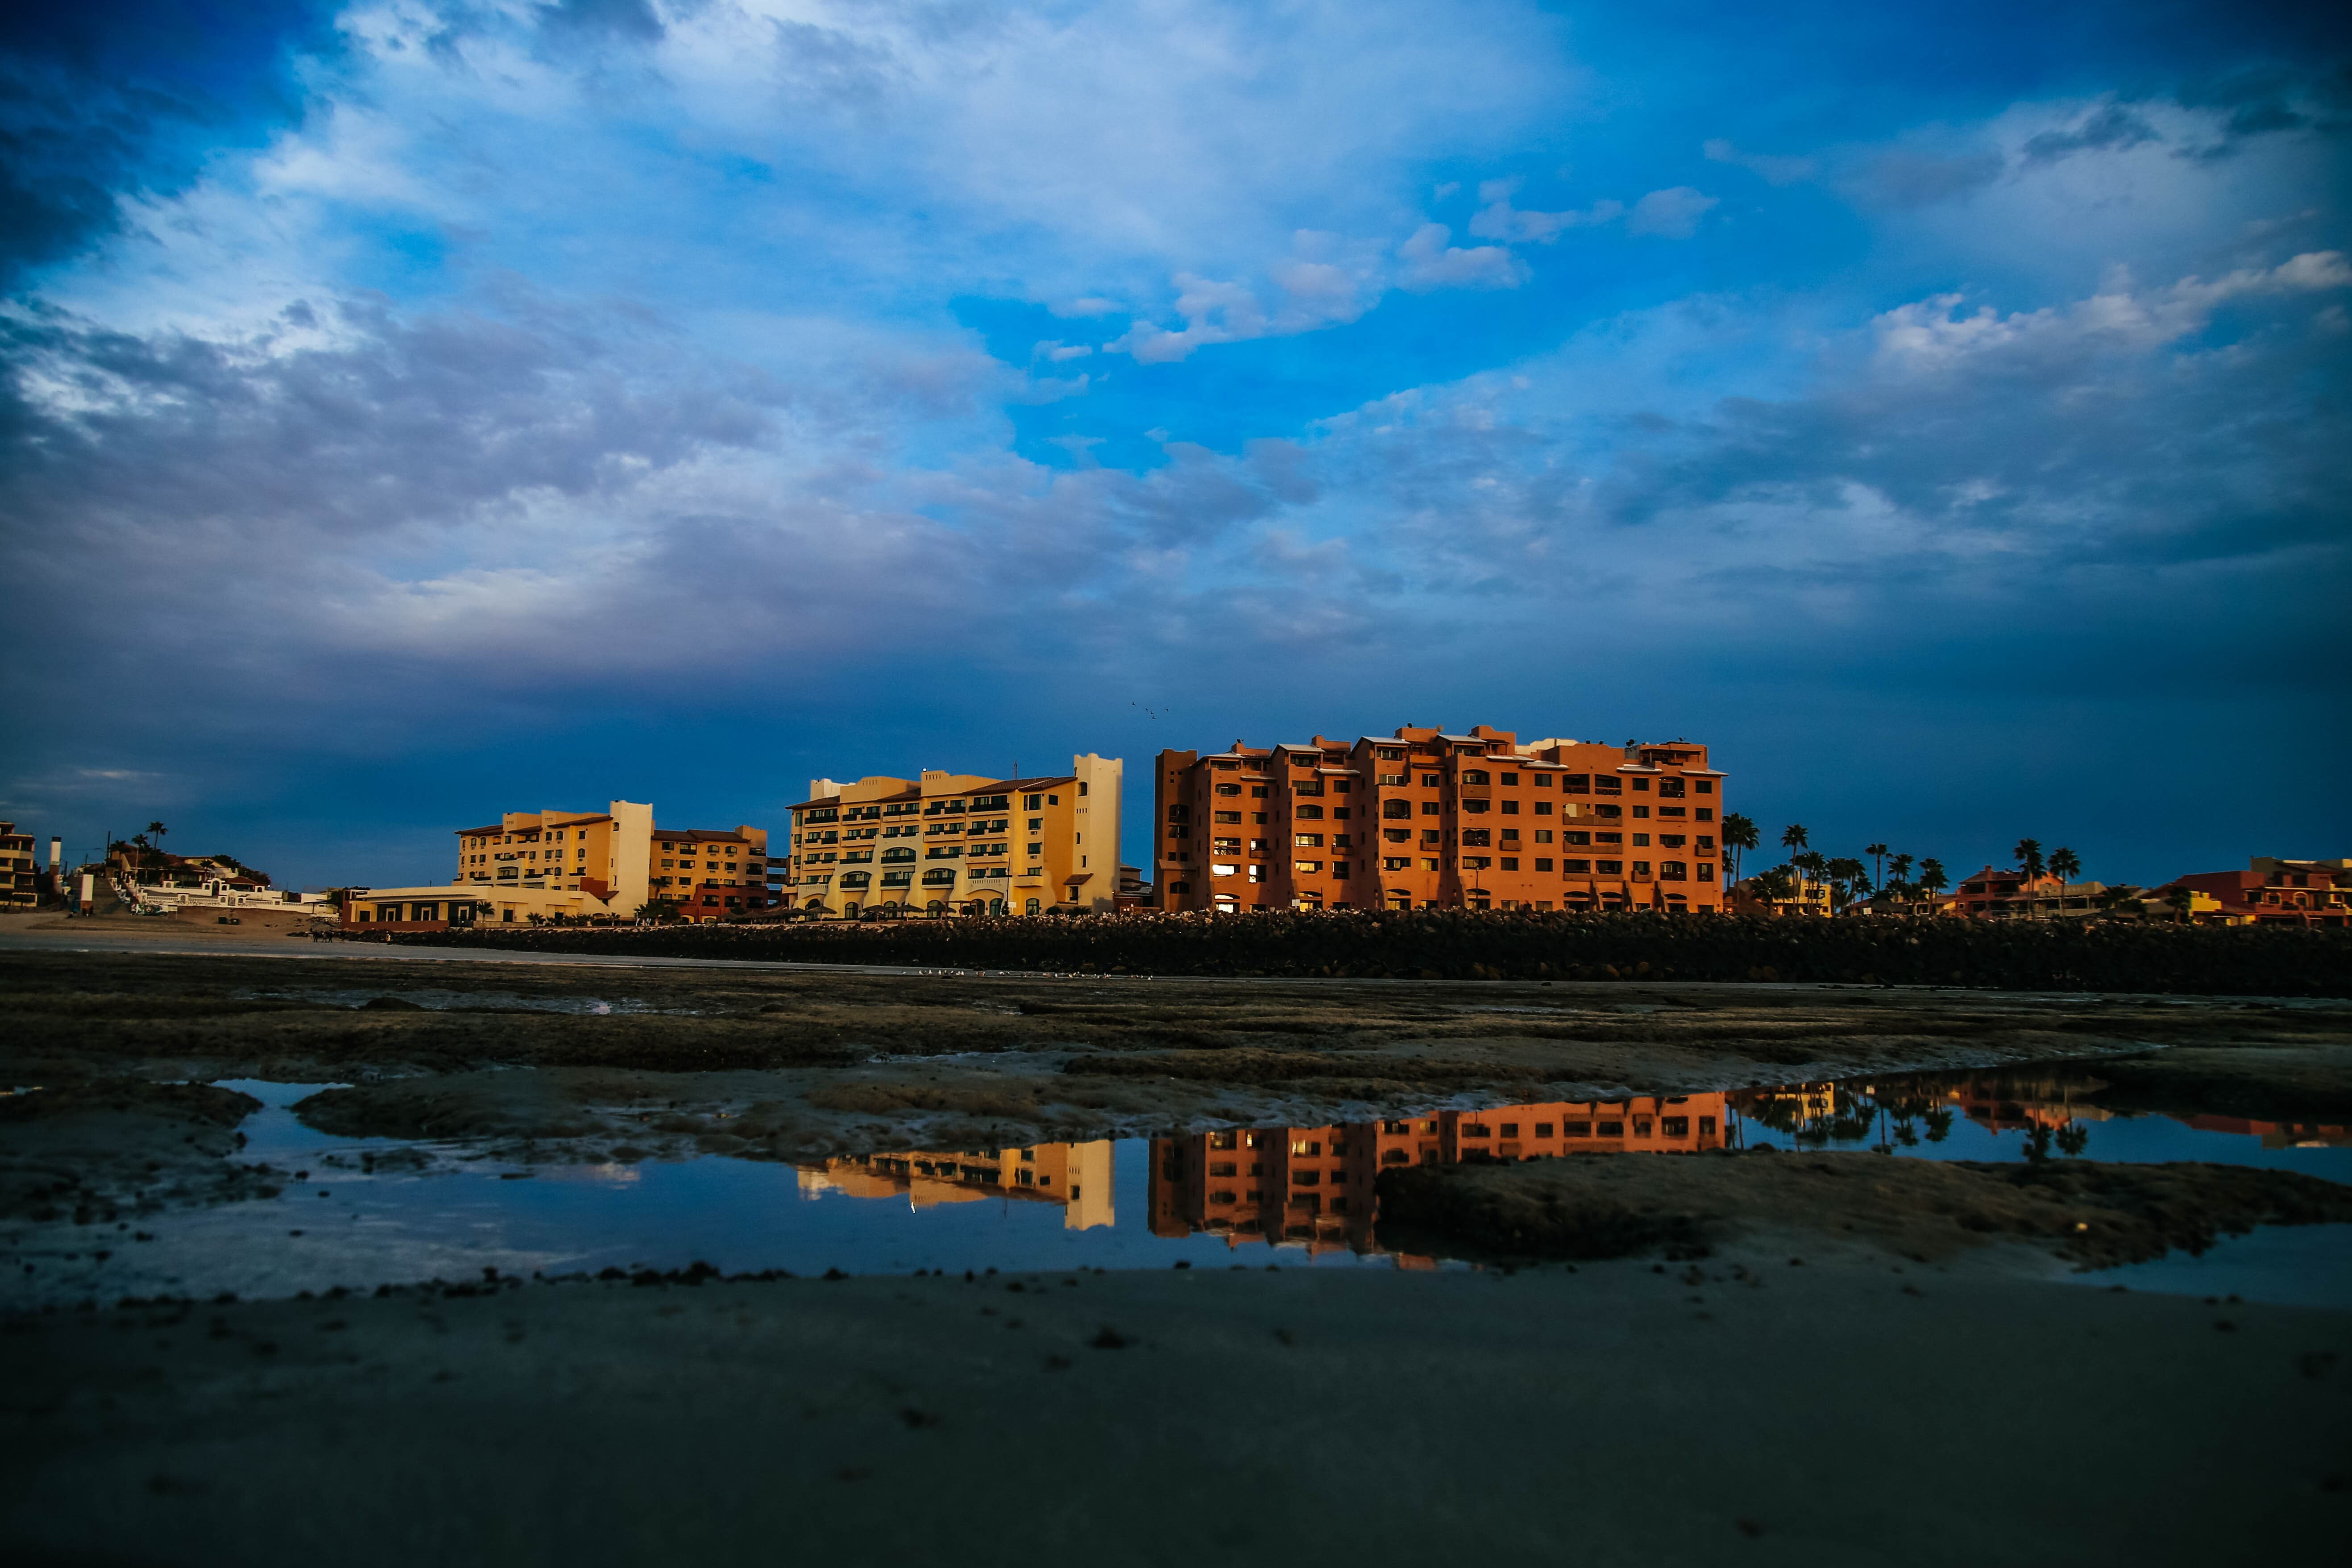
417	409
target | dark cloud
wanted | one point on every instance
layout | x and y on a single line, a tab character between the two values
96	102
2109	128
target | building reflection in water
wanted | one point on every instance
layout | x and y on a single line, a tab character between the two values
1078	1176
1314	1186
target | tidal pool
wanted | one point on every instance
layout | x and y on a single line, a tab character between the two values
358	1212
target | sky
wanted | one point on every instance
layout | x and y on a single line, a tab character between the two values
417	409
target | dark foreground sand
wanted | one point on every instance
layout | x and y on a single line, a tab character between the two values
1925	1386
1838	1412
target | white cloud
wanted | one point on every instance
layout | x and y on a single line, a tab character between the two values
1500	220
1430	263
1773	170
1671	214
1930	333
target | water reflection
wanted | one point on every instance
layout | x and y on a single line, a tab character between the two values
1078	1176
1314	1186
2053	1113
397	1211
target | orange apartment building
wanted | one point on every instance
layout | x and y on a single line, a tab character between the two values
1316	1184
1423	819
959	844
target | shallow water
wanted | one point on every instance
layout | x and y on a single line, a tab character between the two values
373	1210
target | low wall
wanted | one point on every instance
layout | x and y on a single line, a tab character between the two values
2033	956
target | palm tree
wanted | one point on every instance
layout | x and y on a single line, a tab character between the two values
1813	867
1738	834
1877	852
2027	855
2065	865
1793	835
1848	877
1932	880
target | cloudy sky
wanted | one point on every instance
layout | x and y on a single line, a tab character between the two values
419	408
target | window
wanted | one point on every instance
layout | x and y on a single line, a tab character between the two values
1671	840
1476	777
1640	810
1673	871
1394	809
1571	836
1307	841
1394	863
1641	841
1674	1126
1543	863
1429	780
1475	805
1510	808
1609	867
1221	789
1310	866
1510	862
1704	814
1576	1129
1309	813
1478	836
1640	868
1704	786
1609	1129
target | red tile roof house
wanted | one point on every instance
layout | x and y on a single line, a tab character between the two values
2273	891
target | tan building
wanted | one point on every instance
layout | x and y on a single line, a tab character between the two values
620	859
438	908
572	865
19	886
959	844
1424	819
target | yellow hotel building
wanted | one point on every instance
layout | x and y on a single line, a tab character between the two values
959	844
569	864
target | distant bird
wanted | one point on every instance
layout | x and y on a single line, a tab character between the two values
1147	712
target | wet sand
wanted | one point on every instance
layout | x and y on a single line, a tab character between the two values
1916	1383
1839	1412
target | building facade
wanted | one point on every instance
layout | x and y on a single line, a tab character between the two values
19	871
1423	819
619	858
1996	894
948	843
2271	891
